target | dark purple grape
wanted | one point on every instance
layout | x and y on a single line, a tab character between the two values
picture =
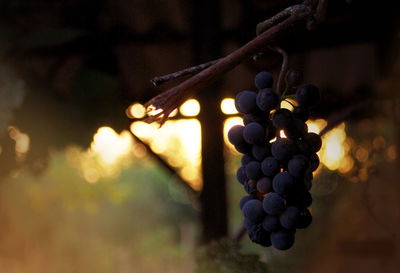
253	210
301	113
244	200
273	203
308	177
289	217
305	219
307	95
283	183
258	235
270	166
235	135
298	165
253	170
260	152
241	175
267	99
282	118
263	79
299	197
314	140
283	149
250	186
260	118
244	148
293	78
254	133
303	147
246	159
245	102
271	223
314	162
264	185
248	224
282	239
296	129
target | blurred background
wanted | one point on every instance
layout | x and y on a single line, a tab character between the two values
87	186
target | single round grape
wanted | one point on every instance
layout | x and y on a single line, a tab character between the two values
315	141
270	166
293	78
260	152
298	165
253	170
258	235
244	200
289	217
241	175
253	210
263	79
299	197
264	185
282	239
297	128
301	113
267	99
235	135
307	95
283	149
243	148
258	117
282	118
273	203
245	102
314	162
248	224
305	219
283	183
250	186
303	147
271	223
254	133
246	159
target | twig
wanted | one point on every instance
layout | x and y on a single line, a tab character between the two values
174	96
156	81
282	73
277	18
239	233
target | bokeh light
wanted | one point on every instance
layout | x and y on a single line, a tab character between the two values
179	142
190	108
228	106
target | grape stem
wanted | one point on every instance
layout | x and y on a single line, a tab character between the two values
283	70
173	97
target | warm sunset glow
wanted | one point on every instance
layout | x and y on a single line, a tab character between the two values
179	141
108	153
190	108
333	151
109	145
228	106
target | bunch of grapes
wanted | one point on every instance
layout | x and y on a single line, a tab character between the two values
276	172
